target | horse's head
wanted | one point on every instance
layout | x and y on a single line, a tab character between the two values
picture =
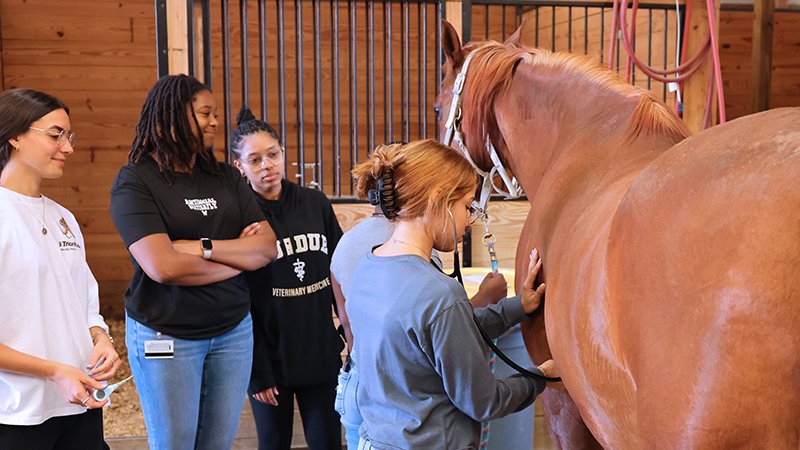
455	56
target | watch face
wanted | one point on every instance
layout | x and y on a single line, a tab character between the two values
206	243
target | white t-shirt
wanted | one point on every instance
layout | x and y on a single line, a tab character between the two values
48	302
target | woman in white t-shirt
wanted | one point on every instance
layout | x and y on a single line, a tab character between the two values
54	345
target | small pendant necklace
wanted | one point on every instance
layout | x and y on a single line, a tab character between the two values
408	244
41	221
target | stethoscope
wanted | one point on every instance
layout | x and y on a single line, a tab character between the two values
457	275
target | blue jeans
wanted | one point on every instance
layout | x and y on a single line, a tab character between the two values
194	400
346	405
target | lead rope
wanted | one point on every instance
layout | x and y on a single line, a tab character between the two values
488	241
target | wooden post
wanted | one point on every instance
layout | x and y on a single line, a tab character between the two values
761	75
199	62
695	89
177	37
452	12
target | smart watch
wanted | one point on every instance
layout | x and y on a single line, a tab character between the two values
206	244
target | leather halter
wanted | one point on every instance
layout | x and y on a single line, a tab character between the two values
453	131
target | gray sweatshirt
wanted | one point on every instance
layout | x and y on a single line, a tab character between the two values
424	378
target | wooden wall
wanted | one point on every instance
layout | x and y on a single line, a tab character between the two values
99	57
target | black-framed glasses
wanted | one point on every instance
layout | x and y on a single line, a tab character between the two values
275	156
61	137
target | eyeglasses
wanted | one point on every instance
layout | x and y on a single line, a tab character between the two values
61	137
273	156
475	213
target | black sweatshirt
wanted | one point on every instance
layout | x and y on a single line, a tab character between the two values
296	343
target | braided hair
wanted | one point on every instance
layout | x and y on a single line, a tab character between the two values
19	108
247	124
164	127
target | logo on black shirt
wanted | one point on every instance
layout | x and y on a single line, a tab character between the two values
299	269
204	205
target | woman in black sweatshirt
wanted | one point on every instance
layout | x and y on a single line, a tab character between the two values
297	349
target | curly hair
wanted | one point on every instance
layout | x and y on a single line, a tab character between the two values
247	124
164	127
428	177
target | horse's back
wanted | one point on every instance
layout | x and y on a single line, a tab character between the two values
704	268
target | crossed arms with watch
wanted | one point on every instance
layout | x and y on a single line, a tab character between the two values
204	261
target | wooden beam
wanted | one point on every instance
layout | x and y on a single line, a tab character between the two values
198	40
761	69
695	89
177	37
452	13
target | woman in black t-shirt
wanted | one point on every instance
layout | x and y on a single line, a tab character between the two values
297	349
192	227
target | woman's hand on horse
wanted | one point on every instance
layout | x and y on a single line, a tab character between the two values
549	368
493	288
532	296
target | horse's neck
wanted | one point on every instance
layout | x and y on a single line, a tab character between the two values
568	144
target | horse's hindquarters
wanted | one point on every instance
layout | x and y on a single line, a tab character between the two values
704	263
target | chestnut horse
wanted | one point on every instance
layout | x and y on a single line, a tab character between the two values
672	262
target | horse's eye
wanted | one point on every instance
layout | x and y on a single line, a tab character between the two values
437	111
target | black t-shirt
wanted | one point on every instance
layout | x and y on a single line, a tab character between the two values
195	206
296	343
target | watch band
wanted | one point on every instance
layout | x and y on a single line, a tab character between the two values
205	243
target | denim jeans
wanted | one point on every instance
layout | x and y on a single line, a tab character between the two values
346	405
194	400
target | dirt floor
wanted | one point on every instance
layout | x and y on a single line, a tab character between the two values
124	416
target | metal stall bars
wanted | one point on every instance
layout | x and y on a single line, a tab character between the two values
325	131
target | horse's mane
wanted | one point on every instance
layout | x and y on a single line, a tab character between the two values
491	73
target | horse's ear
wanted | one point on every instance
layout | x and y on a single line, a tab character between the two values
451	44
516	38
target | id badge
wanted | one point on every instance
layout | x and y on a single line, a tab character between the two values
159	348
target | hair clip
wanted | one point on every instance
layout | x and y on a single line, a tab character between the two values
383	195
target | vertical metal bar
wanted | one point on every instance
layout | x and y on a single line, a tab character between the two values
569	29
207	72
420	72
536	40
351	25
664	85
617	44
553	29
298	64
336	152
486	22
466	21
282	75
633	65
162	57
316	174
585	30
388	104
649	43
424	74
439	53
371	78
262	58
243	46
602	31
226	73
190	35
406	78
